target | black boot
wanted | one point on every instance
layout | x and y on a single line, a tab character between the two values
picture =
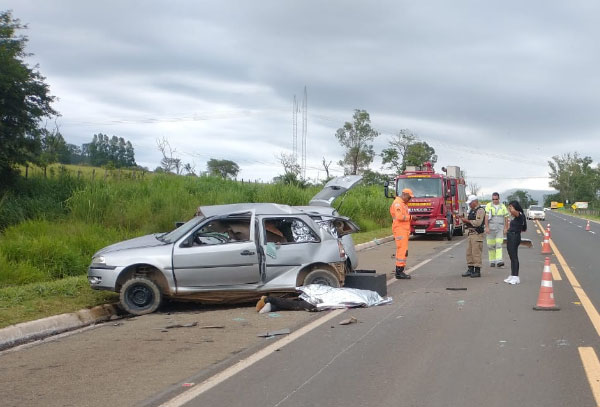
400	274
476	272
468	272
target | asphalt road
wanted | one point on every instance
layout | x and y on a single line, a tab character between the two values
430	347
437	347
125	362
580	248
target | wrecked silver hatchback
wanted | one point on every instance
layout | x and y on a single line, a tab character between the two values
227	253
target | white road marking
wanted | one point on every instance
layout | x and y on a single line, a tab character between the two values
212	381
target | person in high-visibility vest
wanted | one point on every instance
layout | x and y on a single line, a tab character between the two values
401	230
496	225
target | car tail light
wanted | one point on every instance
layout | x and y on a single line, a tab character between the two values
342	250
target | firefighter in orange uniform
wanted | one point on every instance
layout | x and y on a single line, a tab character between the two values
401	230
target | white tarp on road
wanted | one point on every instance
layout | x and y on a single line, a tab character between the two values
325	297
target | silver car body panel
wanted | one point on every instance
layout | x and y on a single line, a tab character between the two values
254	265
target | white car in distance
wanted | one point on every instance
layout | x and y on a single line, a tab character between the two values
536	212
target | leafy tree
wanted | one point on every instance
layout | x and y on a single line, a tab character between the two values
405	149
419	153
189	169
393	156
74	155
54	148
222	168
355	137
574	178
24	100
104	150
522	197
374	178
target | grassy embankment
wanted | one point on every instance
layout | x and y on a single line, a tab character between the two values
579	215
52	227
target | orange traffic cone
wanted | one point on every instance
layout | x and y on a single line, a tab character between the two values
587	227
545	300
548	231
546	245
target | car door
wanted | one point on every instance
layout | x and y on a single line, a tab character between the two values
288	242
222	251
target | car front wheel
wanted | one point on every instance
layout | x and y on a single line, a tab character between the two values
323	277
140	296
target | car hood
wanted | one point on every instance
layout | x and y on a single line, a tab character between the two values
334	188
136	243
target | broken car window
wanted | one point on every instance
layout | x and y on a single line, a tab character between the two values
288	230
224	230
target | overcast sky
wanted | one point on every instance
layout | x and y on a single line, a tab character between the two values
497	88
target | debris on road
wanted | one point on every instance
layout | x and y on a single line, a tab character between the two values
190	325
351	320
270	334
212	327
456	288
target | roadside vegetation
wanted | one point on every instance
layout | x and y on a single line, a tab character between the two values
51	227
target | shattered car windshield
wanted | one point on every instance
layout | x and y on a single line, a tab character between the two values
182	230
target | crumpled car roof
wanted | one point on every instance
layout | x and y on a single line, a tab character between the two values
257	208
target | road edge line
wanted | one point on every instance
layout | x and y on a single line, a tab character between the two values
591	365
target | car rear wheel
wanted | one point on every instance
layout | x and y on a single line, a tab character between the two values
323	277
140	296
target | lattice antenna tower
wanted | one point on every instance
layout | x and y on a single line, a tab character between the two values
295	129
304	130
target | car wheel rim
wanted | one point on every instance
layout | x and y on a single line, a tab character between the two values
322	281
140	296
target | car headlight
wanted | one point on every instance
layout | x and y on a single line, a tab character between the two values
440	223
94	280
100	260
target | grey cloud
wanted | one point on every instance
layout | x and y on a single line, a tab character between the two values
453	72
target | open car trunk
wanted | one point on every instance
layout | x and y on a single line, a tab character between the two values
334	188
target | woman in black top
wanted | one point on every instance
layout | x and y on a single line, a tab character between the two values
517	225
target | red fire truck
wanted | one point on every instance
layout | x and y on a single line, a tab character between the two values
439	201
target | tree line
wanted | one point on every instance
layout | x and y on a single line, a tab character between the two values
25	110
576	180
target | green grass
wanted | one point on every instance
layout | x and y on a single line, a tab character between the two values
38	300
31	301
573	213
45	251
363	237
50	227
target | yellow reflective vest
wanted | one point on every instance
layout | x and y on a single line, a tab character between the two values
497	217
